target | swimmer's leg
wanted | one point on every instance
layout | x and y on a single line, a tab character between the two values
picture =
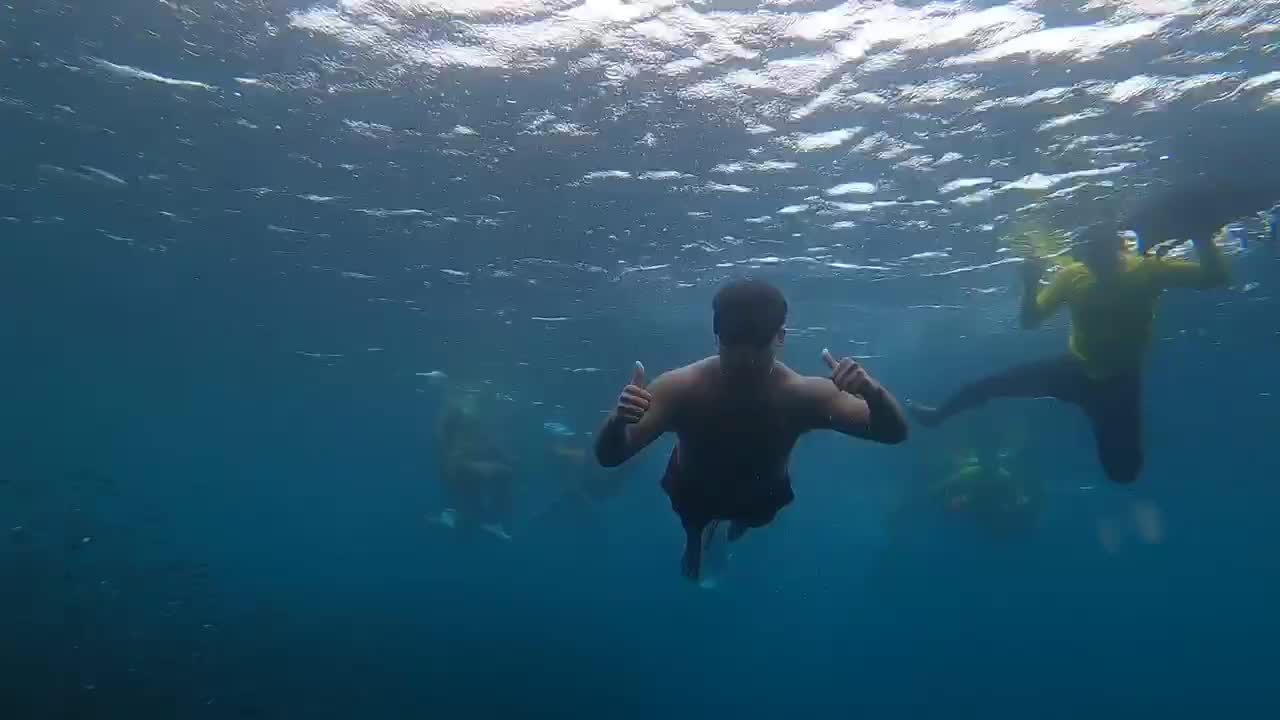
453	500
709	534
496	513
691	562
468	506
1114	408
715	555
1061	377
502	505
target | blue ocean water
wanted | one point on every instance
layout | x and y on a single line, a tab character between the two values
250	249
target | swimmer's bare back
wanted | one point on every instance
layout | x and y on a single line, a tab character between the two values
723	432
742	432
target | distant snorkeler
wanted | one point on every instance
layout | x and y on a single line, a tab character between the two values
978	478
1003	502
1112	297
476	475
737	416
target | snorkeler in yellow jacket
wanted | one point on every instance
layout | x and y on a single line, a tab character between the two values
476	475
1112	297
1001	501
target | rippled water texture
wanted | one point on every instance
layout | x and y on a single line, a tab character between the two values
853	138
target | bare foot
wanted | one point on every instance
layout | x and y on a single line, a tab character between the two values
496	530
1150	522
448	517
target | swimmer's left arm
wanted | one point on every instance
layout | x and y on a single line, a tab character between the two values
1211	271
855	404
875	416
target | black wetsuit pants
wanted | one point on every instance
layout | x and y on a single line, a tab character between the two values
1113	405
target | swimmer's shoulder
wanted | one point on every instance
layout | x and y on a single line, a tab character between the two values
804	398
792	386
691	376
684	388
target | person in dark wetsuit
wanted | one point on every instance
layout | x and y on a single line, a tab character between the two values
1112	297
738	414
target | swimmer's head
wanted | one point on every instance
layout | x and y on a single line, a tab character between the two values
1101	248
748	317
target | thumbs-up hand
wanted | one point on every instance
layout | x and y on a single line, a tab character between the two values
634	401
848	375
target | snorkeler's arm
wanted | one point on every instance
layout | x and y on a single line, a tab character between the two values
874	414
1039	304
619	440
1211	271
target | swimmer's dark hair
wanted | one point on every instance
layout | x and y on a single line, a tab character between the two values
748	312
1096	241
1103	234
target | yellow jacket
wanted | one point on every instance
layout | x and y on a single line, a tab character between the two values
1111	321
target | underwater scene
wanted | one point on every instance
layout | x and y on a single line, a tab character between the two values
635	359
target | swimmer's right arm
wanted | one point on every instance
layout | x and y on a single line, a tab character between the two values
1039	304
640	417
